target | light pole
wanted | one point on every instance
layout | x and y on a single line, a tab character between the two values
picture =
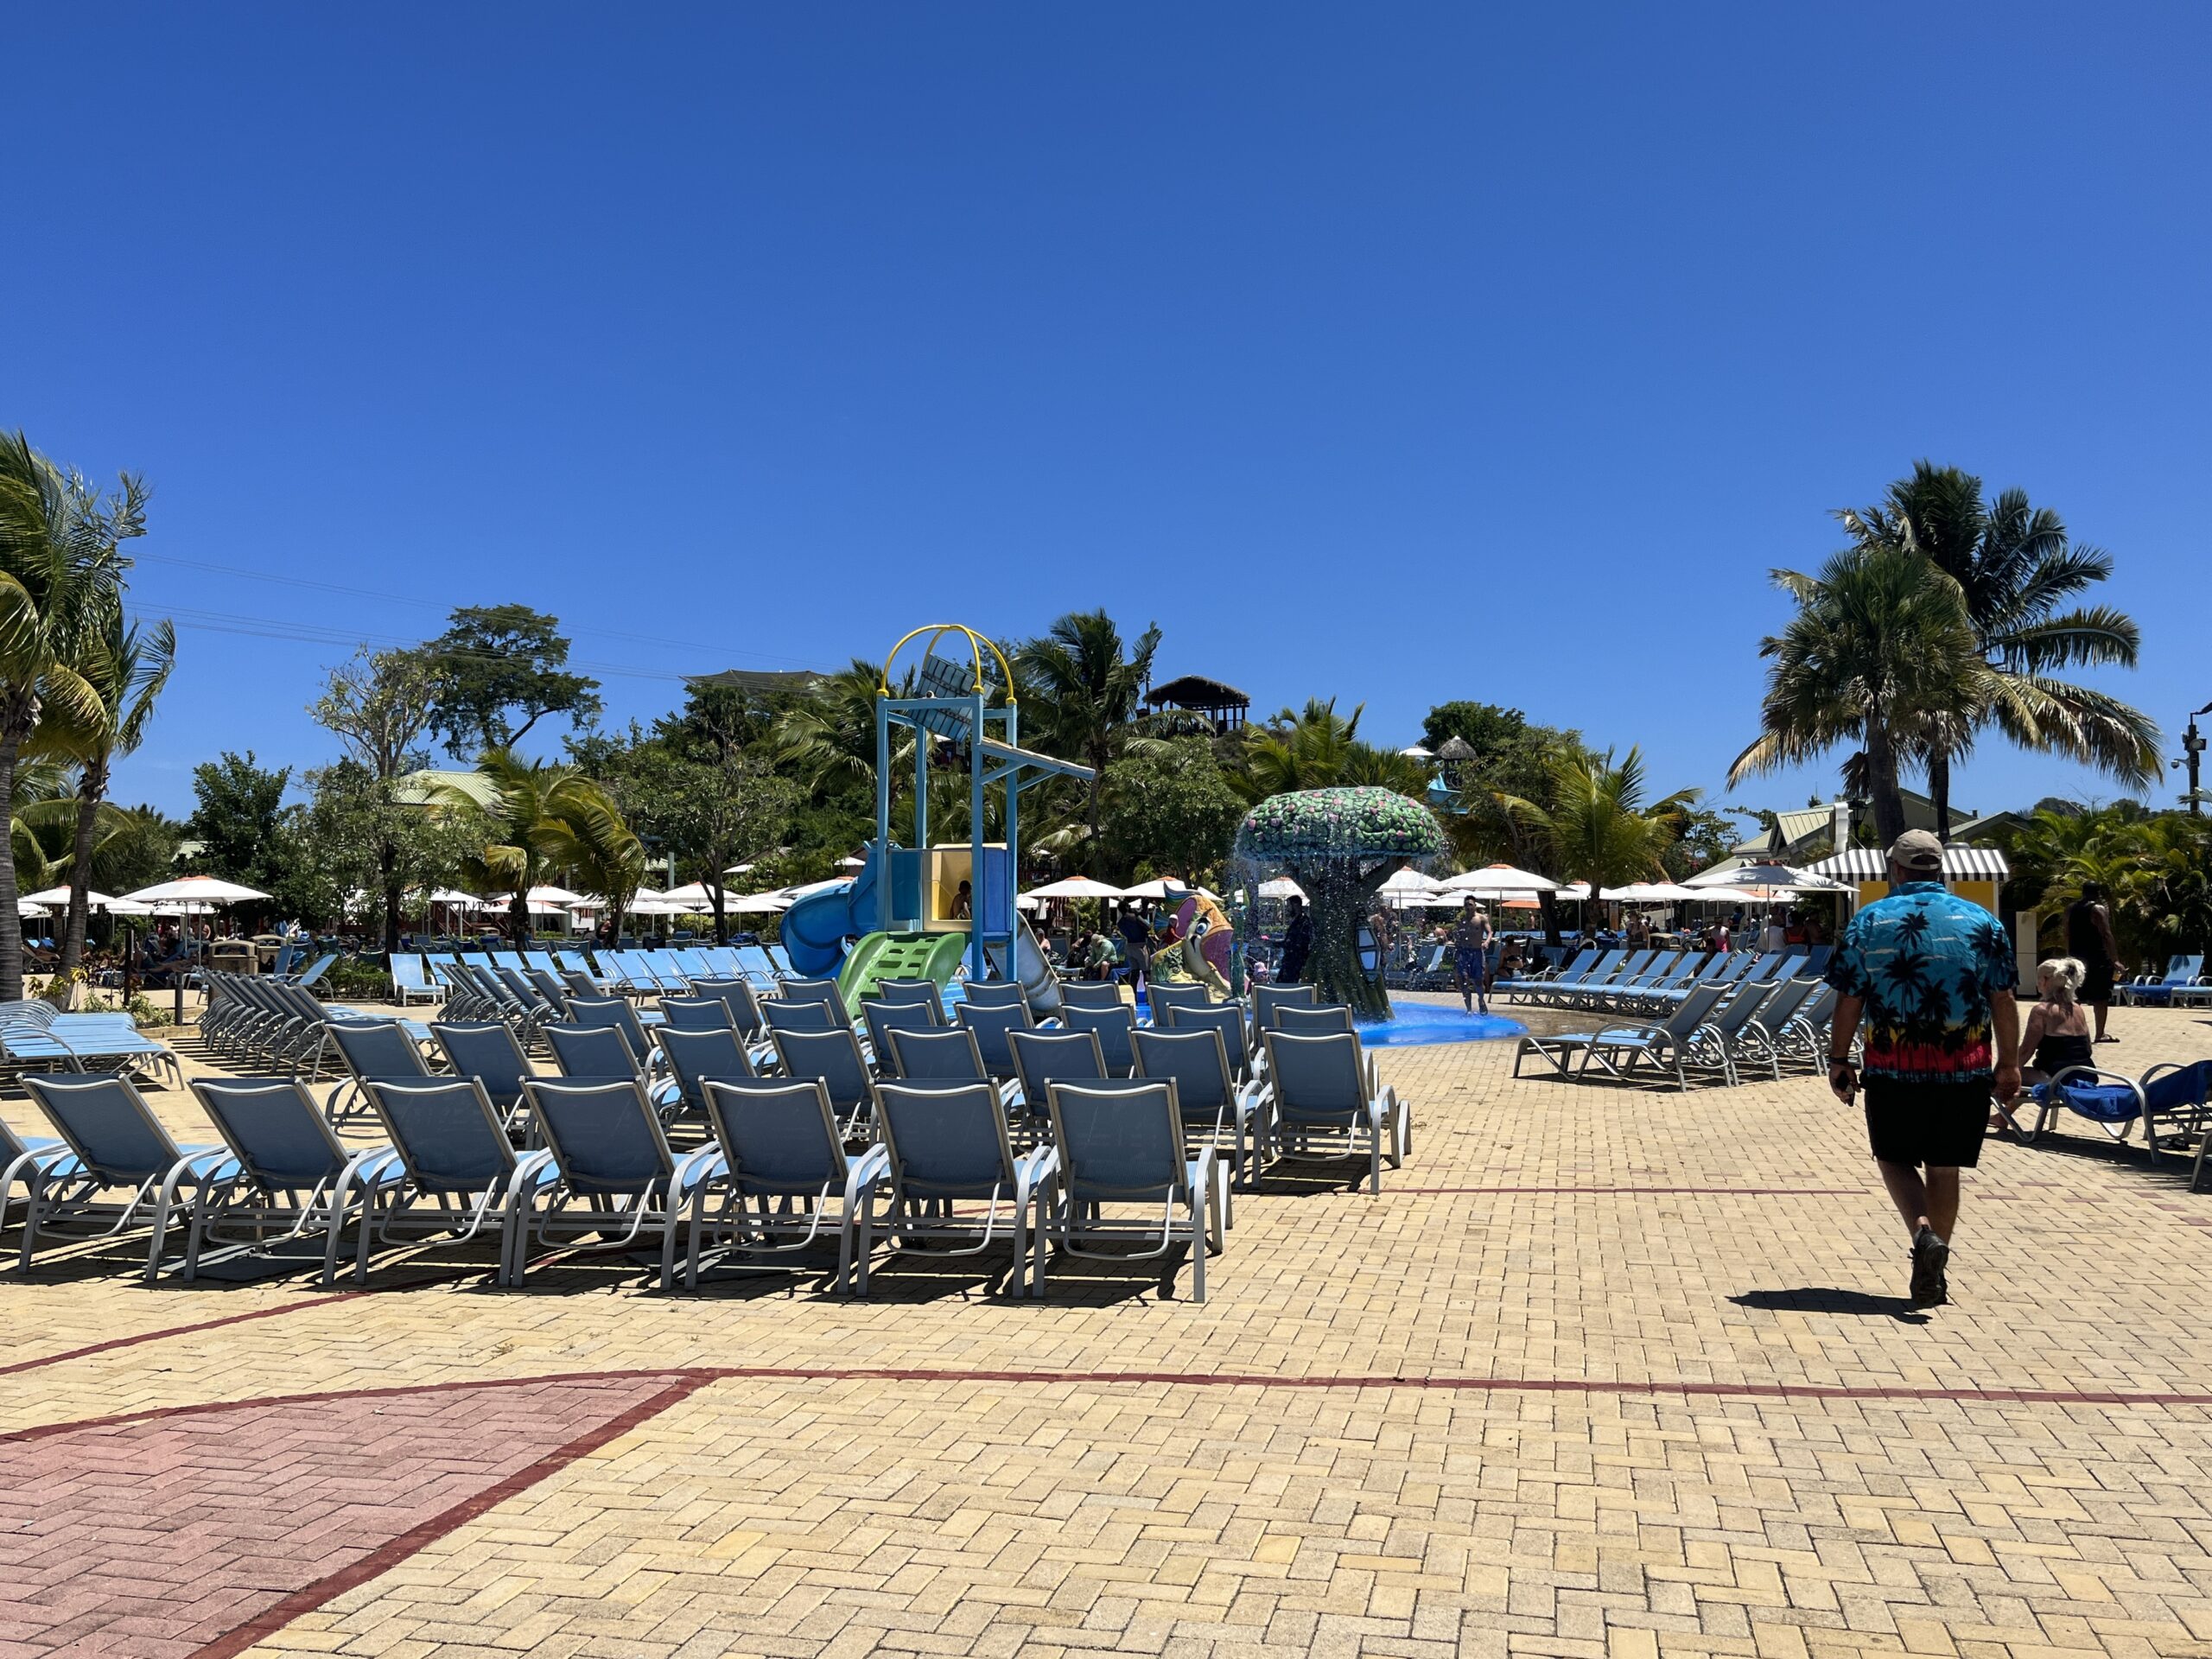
2192	753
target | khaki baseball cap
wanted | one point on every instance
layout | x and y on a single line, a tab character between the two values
1919	851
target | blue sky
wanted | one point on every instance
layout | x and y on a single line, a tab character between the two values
1402	354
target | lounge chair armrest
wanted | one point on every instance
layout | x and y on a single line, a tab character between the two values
529	1173
864	1172
1033	1170
695	1167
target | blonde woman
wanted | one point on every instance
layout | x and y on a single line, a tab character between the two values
2057	1035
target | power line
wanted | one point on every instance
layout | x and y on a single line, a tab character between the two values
316	633
429	604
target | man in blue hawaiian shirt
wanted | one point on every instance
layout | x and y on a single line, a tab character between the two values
1930	976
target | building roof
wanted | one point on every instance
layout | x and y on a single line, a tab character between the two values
1960	863
1197	691
763	679
1795	828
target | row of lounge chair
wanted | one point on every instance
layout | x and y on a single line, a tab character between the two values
1653	982
2184	981
1718	1030
807	1131
419	977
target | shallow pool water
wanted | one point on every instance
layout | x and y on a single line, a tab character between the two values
1430	1022
1424	1022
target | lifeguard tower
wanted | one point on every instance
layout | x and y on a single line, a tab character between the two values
902	913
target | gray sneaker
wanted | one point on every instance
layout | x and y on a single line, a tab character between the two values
1931	1256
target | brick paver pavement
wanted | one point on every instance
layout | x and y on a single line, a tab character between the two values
1602	1371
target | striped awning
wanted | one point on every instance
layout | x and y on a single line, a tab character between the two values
1872	864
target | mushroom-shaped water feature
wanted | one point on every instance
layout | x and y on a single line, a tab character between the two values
1340	845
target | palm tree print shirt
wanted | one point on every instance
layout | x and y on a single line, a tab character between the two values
1925	964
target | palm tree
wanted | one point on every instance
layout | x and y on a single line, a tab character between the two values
544	820
129	669
829	736
2015	567
1880	649
58	564
1082	690
1315	748
1597	828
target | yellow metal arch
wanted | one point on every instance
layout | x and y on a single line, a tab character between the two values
978	644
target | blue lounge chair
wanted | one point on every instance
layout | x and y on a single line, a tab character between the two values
486	1051
608	1152
784	1176
2182	975
833	1058
119	1147
411	980
1314	1022
461	1171
292	1173
1042	1059
921	992
737	996
1121	1143
32	1160
1216	1109
1320	1091
943	1147
884	1018
1091	994
1227	1020
1115	1030
2115	1102
698	1057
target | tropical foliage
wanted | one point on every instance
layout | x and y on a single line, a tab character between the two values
545	822
2157	867
2015	567
1598	828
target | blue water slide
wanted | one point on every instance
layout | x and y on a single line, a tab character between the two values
818	928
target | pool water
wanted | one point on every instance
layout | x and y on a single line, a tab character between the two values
1430	1022
1420	1023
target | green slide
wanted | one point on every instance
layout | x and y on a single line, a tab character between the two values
879	957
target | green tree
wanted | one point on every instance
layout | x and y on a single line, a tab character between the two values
499	670
707	798
1168	809
2015	567
1315	748
1703	840
1083	688
128	667
545	821
381	705
237	818
59	564
1880	650
1598	828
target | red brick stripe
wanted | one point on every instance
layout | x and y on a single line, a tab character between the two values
386	1556
695	1376
1641	1191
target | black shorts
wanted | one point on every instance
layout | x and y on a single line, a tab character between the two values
2096	980
1939	1124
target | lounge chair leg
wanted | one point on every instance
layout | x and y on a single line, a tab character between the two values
1199	1236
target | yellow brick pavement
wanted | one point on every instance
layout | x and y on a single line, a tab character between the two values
832	1514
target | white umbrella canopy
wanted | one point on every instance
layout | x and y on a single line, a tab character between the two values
695	894
30	912
1640	893
1074	886
559	896
456	899
58	898
1500	877
1765	875
1410	880
748	904
195	891
1280	886
1161	888
846	863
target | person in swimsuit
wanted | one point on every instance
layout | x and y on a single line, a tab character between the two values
2057	1036
2090	943
1470	957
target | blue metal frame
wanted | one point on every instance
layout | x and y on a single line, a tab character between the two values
990	762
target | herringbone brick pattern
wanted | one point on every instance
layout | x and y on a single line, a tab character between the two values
1573	1344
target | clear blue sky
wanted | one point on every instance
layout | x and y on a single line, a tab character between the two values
1380	351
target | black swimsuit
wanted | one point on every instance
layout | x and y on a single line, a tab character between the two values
2059	1052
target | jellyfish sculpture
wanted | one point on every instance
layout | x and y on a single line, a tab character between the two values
1340	845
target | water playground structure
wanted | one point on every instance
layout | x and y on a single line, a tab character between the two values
899	918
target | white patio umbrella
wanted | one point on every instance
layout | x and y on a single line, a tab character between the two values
58	898
1410	880
1159	888
1500	879
196	893
738	869
749	904
562	896
1280	886
1766	875
847	863
1639	892
30	912
1076	887
694	895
